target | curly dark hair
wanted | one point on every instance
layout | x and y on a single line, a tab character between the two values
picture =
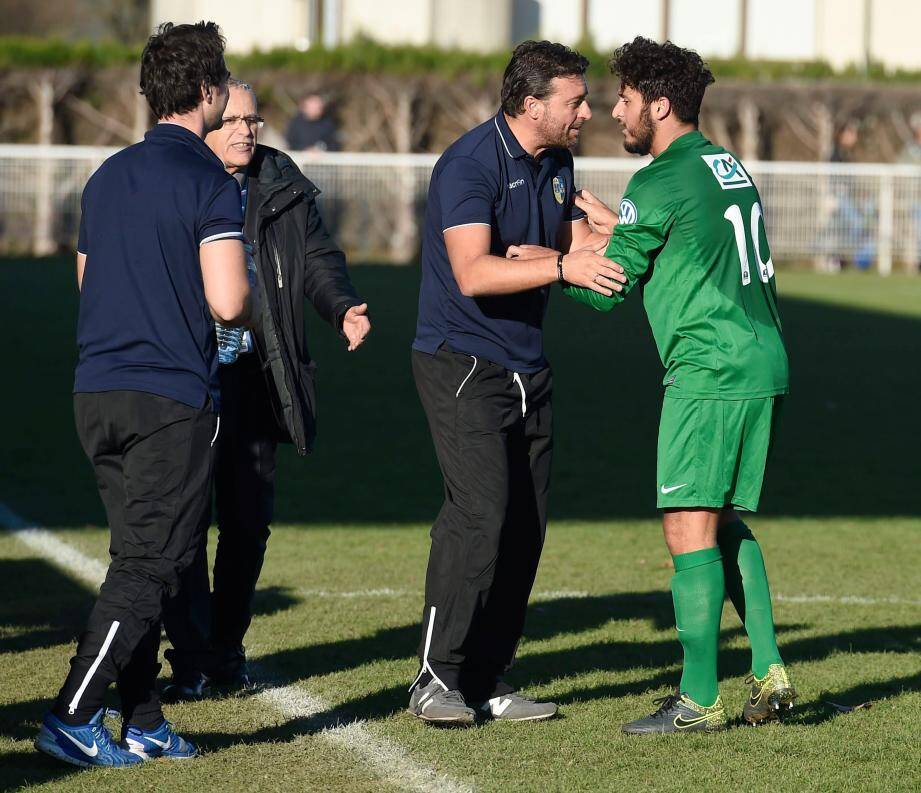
667	70
177	61
532	68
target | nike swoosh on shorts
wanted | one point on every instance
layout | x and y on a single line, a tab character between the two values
666	490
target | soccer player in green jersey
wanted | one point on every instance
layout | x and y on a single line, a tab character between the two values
691	234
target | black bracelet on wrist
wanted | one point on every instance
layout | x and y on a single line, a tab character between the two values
559	269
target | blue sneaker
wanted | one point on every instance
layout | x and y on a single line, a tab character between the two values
161	742
84	745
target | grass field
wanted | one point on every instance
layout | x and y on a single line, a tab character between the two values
340	599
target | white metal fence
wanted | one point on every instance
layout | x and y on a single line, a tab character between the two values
866	214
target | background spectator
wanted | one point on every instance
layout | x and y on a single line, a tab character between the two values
312	129
911	153
849	225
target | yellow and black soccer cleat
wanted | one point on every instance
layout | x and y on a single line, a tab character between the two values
771	697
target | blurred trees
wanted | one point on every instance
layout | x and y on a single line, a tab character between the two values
406	99
74	20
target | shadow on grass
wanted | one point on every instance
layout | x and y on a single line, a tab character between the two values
734	662
573	617
820	711
662	657
274	599
845	448
39	606
547	619
23	768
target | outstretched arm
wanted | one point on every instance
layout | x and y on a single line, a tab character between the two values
634	245
479	273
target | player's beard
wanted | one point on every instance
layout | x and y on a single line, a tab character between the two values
552	136
641	135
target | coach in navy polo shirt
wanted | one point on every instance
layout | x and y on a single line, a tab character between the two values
500	228
160	256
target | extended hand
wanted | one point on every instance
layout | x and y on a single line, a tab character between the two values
601	218
526	252
588	269
356	325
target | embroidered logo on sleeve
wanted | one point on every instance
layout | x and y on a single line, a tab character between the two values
727	170
628	212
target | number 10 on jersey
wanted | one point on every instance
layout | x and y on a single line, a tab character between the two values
734	216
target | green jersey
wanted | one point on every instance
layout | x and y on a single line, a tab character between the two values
691	232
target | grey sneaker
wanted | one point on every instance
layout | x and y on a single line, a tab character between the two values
514	707
434	704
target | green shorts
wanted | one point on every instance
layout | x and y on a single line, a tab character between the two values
712	452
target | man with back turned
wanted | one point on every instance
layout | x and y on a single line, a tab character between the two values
160	257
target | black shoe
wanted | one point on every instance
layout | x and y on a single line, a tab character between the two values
188	686
679	713
230	671
236	679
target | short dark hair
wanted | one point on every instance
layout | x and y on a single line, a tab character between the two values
177	61
665	69
532	68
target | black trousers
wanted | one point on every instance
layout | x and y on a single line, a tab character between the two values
153	461
207	629
492	430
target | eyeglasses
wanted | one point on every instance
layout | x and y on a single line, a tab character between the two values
251	121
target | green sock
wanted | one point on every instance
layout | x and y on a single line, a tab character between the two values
698	592
747	586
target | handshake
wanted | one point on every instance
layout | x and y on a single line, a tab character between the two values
585	265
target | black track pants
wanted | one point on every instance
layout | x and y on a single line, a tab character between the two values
152	458
492	431
205	629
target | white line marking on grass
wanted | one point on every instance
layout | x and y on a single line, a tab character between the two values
389	760
292	702
575	594
560	594
392	762
847	600
385	592
77	564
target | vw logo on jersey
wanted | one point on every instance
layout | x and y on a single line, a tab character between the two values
627	212
559	189
728	171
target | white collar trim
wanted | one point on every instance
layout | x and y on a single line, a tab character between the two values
499	130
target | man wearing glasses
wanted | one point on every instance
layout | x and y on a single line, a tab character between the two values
267	396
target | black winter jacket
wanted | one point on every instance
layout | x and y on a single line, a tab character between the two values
295	258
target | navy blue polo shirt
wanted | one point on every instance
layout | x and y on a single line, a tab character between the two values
487	178
144	323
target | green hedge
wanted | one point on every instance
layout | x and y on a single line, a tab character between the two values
25	53
365	56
